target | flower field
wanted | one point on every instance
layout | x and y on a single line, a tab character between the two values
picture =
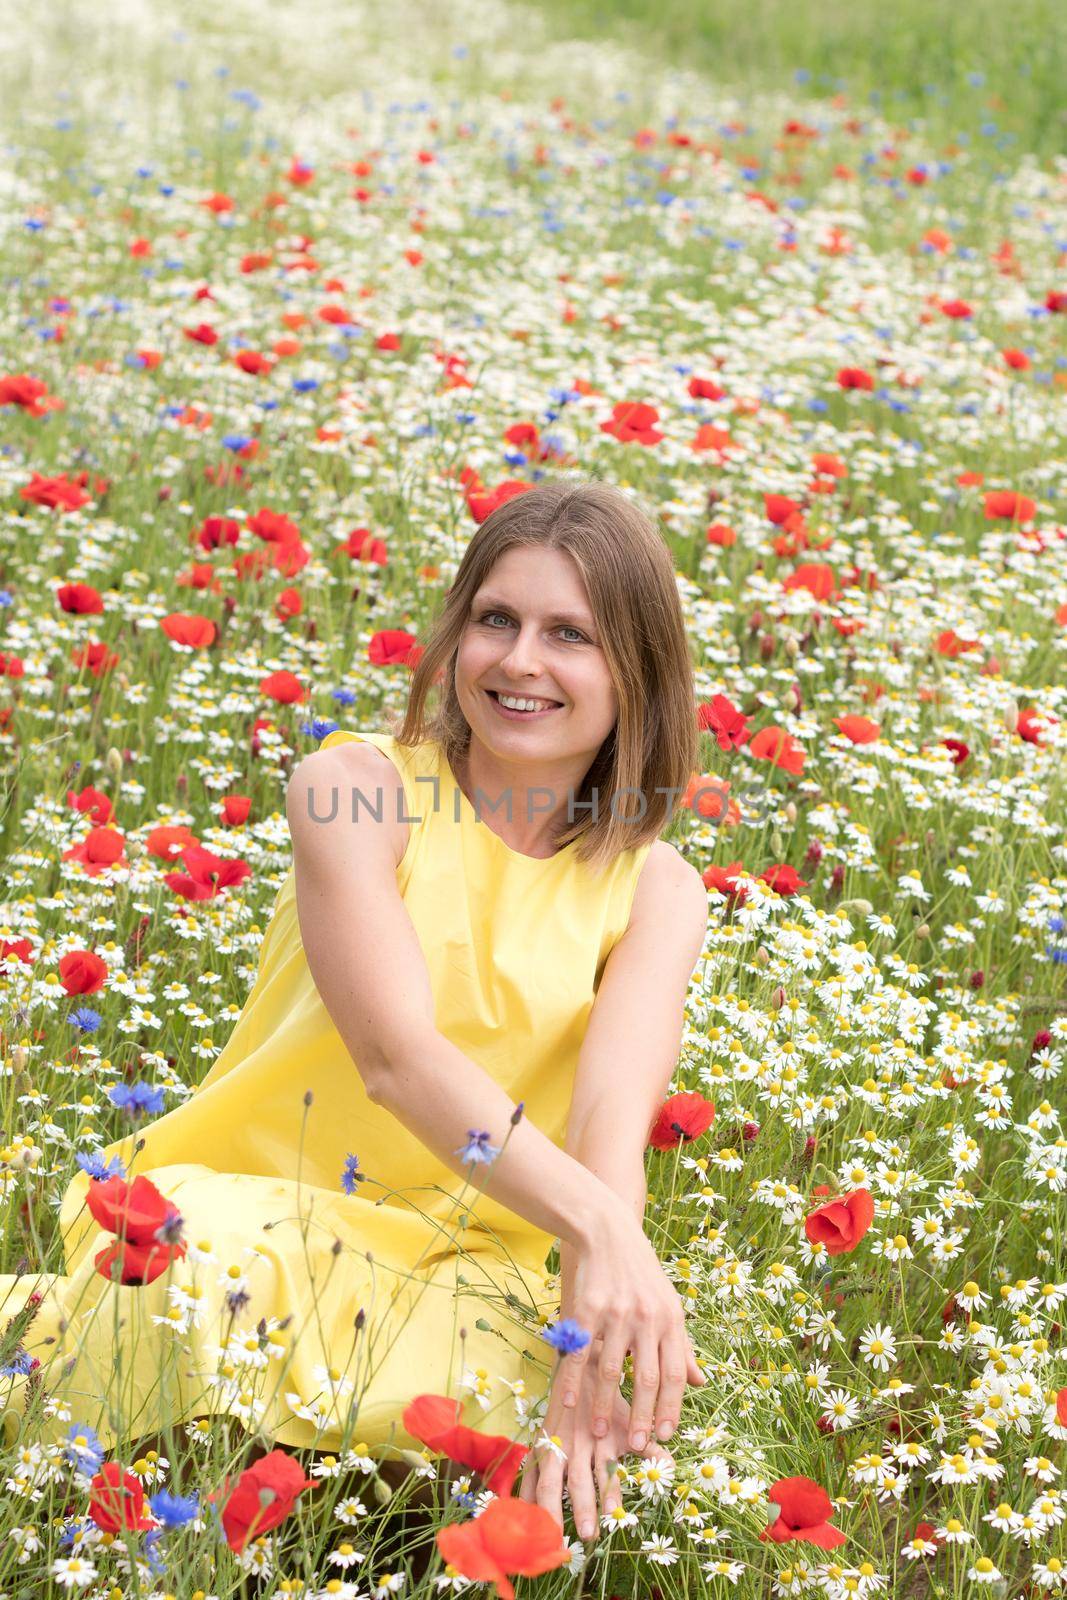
290	306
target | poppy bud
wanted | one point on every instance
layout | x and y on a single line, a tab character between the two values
113	762
790	812
778	999
922	931
1011	718
382	1492
763	956
755	622
766	646
181	783
792	646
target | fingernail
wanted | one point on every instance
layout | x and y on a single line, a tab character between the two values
664	1430
587	1530
638	1440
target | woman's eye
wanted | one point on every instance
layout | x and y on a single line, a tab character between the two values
490	616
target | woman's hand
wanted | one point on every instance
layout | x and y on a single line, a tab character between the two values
585	1469
620	1293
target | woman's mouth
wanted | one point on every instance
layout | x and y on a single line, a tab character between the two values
513	711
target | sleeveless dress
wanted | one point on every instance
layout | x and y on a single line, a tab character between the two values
281	1257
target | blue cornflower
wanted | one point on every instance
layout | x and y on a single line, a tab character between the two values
95	1166
136	1098
566	1336
236	441
86	1019
82	1448
478	1149
155	1562
6	598
71	1531
19	1366
344	697
173	1510
1056	924
319	727
350	1174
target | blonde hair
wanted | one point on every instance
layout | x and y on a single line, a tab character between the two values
628	572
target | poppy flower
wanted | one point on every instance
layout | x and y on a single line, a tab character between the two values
508	1536
854	378
485	501
709	437
100	849
216	531
957	310
1006	503
168	841
116	1500
189	629
958	749
723	880
283	686
206	874
840	1224
24	391
1056	300
288	604
82	972
203	333
1031	725
435	1420
392	647
80	599
681	1119
705	389
859	730
235	809
784	880
950	644
722	535
779	508
779	748
706	796
633	422
1061	1408
817	577
96	806
252	361
140	1215
1017	360
277	1479
58	494
804	1512
722	718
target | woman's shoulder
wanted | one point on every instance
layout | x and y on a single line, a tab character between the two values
379	778
667	885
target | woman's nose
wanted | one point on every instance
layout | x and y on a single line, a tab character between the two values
523	655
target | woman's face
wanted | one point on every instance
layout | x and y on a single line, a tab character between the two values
531	633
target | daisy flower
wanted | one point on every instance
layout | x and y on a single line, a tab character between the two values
878	1346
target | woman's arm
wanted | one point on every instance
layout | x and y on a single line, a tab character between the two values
365	958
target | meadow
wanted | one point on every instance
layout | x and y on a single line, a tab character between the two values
294	294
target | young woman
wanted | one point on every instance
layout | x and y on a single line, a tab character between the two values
467	1010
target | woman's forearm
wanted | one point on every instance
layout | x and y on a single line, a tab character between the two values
440	1095
597	1148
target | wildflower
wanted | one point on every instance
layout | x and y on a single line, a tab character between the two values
984	1571
173	1510
804	1512
478	1150
137	1099
839	1225
86	1020
350	1174
566	1336
73	1572
878	1346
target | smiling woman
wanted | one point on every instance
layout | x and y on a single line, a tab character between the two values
365	1188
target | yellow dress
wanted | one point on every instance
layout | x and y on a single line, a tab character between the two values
281	1258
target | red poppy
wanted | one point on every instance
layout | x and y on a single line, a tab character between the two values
633	422
278	1480
203	333
1056	300
82	972
1031	726
100	849
509	1536
392	647
283	686
680	1119
722	718
482	502
235	809
273	527
779	748
1006	503
817	577
168	841
189	629
1061	1408
253	361
95	805
950	644
435	1420
28	393
859	730
216	531
958	310
116	1500
854	378
59	493
779	508
804	1512
840	1224
709	437
784	880
206	874
139	1215
1017	360
960	751
723	880
828	466
722	535
705	389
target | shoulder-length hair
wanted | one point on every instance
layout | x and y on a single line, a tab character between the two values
628	571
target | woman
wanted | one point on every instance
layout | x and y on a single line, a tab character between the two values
467	1010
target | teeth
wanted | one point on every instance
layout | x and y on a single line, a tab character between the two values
522	705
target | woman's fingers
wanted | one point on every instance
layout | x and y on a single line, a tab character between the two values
646	1386
604	1383
581	1488
672	1370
